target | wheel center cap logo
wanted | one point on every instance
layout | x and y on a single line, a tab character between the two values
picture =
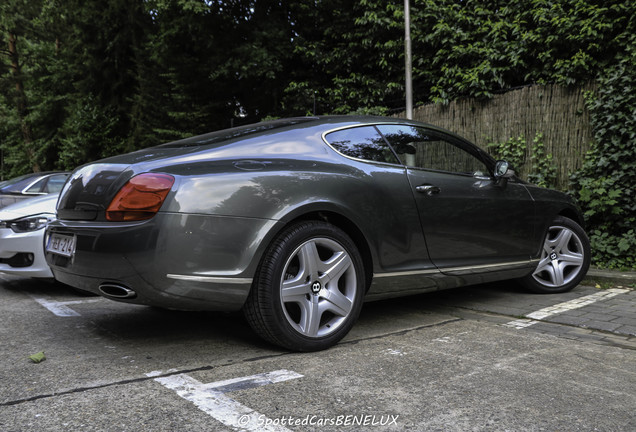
553	256
316	287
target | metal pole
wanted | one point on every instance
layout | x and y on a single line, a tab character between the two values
408	60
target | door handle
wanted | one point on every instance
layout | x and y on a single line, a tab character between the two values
428	189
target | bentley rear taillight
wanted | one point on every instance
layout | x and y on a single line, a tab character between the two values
140	198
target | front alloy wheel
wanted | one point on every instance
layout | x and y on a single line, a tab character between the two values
564	261
308	291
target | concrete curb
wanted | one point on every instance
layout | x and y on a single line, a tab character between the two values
614	277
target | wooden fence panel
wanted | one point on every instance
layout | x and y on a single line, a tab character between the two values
557	112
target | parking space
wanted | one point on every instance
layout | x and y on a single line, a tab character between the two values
442	361
605	316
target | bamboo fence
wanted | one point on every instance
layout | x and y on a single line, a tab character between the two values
556	112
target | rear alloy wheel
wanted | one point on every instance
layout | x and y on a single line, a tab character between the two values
308	291
565	258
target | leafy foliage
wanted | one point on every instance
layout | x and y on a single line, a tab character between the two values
513	150
606	185
348	54
482	47
87	133
542	170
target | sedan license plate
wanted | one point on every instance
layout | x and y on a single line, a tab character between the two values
61	244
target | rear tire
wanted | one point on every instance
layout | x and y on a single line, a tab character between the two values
308	290
565	259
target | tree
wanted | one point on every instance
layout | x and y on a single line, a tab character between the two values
348	55
16	19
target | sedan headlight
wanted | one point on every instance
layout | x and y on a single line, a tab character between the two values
29	223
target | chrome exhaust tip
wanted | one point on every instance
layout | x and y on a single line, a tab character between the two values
117	291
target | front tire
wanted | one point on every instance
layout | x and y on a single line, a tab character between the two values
308	290
565	259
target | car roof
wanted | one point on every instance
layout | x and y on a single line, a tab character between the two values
272	126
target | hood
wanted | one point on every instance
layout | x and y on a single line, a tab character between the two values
30	206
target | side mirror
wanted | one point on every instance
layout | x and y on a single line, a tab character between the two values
503	172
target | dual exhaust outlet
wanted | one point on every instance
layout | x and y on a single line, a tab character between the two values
116	291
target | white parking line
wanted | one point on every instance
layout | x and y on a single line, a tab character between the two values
211	399
58	308
541	314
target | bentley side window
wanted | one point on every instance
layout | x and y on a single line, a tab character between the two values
362	143
426	149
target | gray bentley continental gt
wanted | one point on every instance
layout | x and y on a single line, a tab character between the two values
298	221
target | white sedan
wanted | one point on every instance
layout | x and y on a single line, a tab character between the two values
22	236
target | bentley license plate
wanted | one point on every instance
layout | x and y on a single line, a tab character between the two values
61	244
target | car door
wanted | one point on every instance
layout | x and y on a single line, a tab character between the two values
471	221
391	223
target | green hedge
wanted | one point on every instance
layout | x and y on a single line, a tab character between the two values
606	185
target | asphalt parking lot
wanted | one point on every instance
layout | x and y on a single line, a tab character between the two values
487	358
